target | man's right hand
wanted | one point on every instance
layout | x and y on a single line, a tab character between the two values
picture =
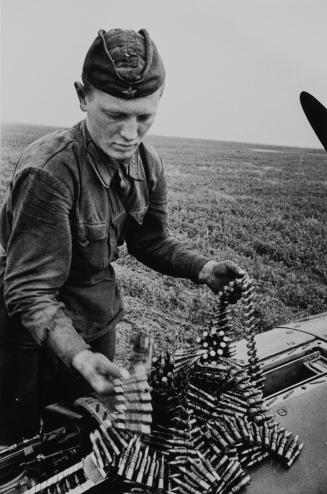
98	370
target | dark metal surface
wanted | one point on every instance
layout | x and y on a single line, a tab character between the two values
276	341
315	326
305	415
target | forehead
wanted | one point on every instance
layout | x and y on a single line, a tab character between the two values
105	101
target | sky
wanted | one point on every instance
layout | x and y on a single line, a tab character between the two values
235	68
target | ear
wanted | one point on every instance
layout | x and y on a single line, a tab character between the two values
81	93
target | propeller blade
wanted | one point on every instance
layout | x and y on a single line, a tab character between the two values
316	113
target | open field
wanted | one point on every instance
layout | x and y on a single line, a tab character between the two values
263	206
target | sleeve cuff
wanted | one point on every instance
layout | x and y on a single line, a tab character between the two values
65	342
197	265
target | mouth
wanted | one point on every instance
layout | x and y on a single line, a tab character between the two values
124	147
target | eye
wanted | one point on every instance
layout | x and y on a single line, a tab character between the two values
113	116
144	118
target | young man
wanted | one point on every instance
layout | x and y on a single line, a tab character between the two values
75	196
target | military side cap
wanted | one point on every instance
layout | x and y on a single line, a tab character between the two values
124	63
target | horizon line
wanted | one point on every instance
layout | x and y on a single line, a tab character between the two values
11	122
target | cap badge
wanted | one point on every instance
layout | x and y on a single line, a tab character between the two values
130	92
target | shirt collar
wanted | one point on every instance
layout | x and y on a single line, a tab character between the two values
104	167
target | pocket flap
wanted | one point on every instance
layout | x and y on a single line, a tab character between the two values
138	215
88	232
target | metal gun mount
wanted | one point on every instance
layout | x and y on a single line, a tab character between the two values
294	359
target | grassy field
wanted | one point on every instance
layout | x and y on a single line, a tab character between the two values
263	206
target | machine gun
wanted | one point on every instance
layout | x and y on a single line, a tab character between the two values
59	461
34	460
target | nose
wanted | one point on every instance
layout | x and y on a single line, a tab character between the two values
128	130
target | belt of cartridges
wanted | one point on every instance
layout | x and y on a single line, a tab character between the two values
209	422
209	414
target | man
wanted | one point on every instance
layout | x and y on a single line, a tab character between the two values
75	196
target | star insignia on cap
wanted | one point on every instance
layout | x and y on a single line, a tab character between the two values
129	92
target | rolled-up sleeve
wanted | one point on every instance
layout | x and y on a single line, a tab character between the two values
152	243
39	253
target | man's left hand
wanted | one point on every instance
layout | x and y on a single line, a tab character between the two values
219	275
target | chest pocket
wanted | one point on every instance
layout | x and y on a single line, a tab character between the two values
90	246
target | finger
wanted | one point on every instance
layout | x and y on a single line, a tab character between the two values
103	386
235	268
113	371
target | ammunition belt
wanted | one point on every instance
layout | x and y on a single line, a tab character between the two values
209	422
